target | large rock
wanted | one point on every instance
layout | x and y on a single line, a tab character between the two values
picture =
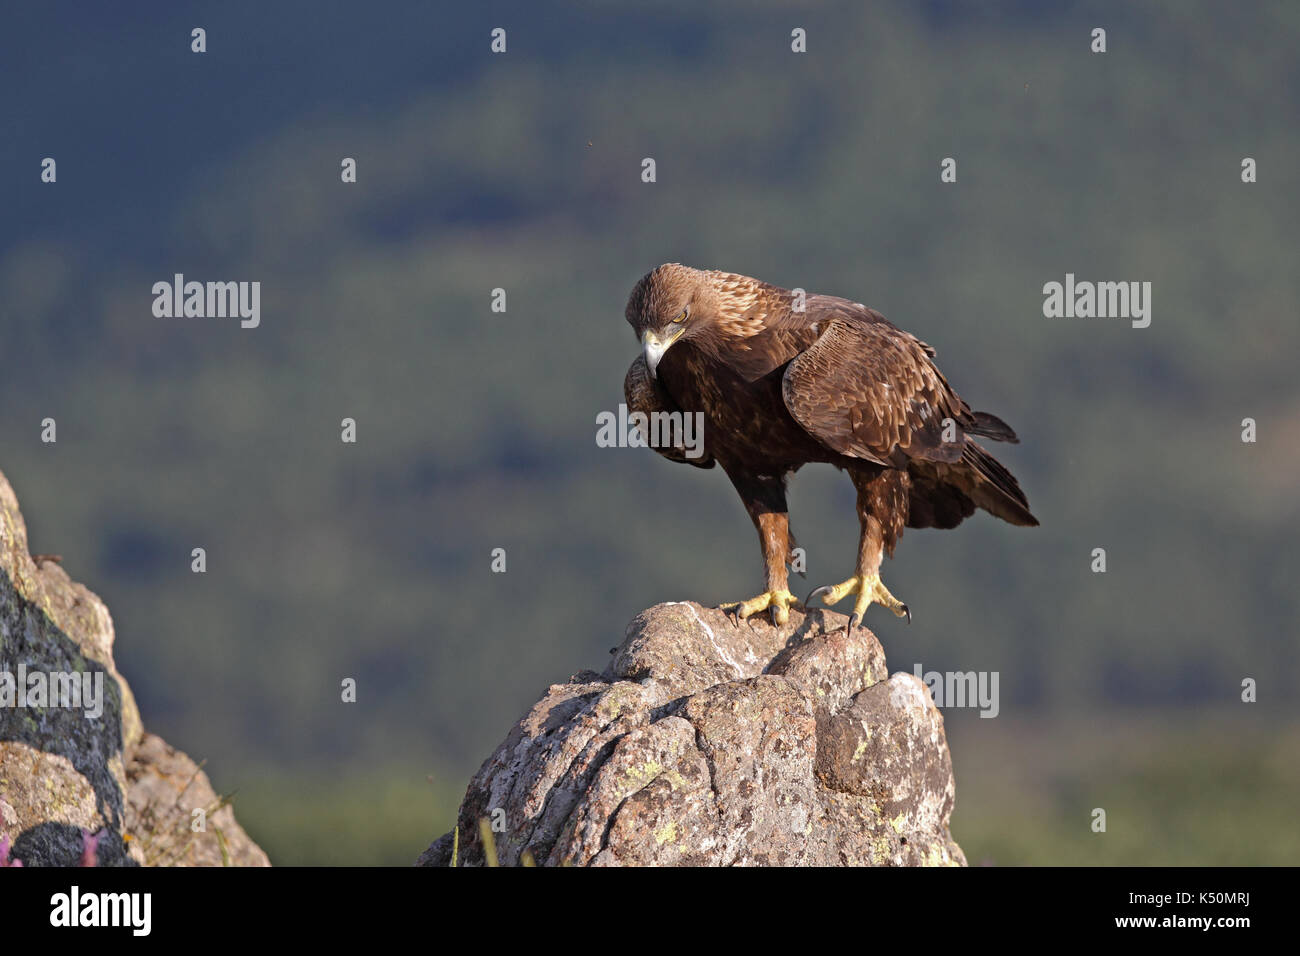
64	770
715	744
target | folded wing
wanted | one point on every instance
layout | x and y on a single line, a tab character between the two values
644	394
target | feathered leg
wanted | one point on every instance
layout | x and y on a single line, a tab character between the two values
765	501
882	514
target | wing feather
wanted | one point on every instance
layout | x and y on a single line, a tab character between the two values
869	390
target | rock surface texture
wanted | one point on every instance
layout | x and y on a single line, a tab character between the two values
63	771
709	743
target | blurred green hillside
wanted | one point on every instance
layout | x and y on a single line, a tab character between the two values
476	430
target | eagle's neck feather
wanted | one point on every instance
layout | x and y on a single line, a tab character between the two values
744	305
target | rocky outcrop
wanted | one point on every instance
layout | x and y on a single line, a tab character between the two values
709	743
74	756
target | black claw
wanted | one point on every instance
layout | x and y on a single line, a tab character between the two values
908	611
854	621
807	602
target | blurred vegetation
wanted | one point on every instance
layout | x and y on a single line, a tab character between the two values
476	430
1181	788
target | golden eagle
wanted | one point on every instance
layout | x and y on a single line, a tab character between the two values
783	379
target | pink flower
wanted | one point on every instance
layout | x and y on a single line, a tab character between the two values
4	853
90	847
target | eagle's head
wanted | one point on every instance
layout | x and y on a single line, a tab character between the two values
677	303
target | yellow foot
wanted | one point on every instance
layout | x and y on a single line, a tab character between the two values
869	589
779	602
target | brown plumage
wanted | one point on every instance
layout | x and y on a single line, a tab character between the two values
835	382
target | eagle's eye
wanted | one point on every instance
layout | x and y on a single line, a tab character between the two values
682	317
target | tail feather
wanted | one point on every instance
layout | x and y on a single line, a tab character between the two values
990	426
998	493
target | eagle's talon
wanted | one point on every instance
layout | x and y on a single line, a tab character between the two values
869	590
778	602
815	592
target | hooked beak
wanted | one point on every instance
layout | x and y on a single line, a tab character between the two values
655	347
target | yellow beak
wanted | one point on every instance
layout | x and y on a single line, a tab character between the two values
655	347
